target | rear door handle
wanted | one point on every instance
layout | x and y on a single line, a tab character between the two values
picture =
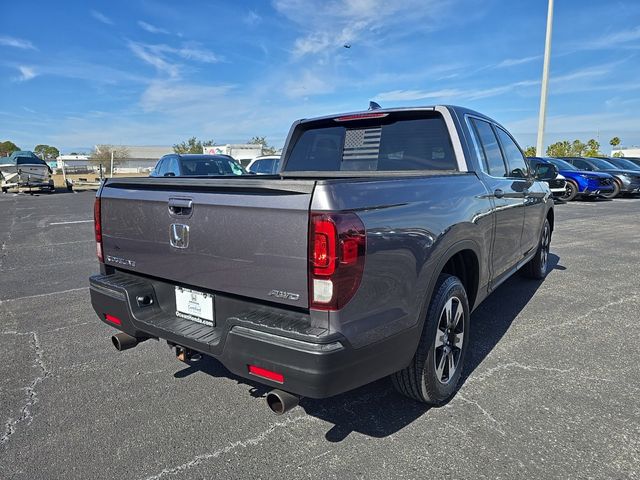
180	206
498	193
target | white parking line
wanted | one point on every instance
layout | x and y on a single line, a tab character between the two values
68	223
43	295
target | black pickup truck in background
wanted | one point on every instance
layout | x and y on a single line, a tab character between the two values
363	258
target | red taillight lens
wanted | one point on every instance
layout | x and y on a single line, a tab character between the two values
264	373
337	243
112	319
97	226
324	246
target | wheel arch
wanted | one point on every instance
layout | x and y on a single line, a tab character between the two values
463	261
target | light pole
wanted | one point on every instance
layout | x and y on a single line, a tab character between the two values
545	82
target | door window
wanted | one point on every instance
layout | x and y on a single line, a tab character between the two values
515	159
489	149
161	167
581	164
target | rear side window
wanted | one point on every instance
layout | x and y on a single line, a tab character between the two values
30	161
490	149
396	143
263	166
515	159
209	167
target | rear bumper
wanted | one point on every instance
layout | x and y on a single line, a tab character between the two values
313	362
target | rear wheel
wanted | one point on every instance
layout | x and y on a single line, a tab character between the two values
434	372
570	192
537	266
614	193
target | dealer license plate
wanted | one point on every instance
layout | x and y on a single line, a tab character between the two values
195	306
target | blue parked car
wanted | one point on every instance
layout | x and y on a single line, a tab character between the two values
585	183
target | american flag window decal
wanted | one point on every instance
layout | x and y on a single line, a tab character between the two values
361	144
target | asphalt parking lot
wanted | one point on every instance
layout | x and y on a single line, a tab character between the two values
552	388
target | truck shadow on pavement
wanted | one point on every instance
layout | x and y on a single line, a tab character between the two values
376	409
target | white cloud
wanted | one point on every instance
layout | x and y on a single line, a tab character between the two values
101	17
308	83
453	93
26	73
615	38
329	24
510	62
163	57
146	53
163	96
411	95
252	18
190	51
151	28
16	43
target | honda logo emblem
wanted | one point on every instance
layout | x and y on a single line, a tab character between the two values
179	235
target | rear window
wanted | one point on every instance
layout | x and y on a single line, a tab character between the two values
210	166
396	143
29	161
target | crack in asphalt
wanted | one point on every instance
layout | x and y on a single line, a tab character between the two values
231	447
32	394
494	425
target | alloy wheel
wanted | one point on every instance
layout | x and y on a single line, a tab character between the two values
449	340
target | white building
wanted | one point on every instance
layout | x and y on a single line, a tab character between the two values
243	152
627	151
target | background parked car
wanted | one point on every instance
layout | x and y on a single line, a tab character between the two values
627	181
558	185
584	183
193	165
265	165
634	160
624	163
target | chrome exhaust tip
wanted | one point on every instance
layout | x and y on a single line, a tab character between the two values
281	402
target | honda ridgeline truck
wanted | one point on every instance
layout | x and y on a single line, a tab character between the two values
363	258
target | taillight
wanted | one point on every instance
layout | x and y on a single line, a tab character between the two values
264	373
337	243
97	226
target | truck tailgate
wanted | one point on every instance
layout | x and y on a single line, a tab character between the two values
242	236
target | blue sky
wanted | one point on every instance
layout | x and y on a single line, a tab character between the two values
145	72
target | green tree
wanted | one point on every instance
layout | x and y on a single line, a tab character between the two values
530	152
592	148
46	152
266	148
102	155
577	148
7	148
560	149
614	142
192	145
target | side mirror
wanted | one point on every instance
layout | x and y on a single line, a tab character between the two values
546	172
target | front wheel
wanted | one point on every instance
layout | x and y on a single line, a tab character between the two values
614	193
434	372
537	266
570	192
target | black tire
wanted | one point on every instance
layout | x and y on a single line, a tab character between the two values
570	192
615	193
537	266
423	380
5	190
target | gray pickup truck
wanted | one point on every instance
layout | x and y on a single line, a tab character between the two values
363	258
